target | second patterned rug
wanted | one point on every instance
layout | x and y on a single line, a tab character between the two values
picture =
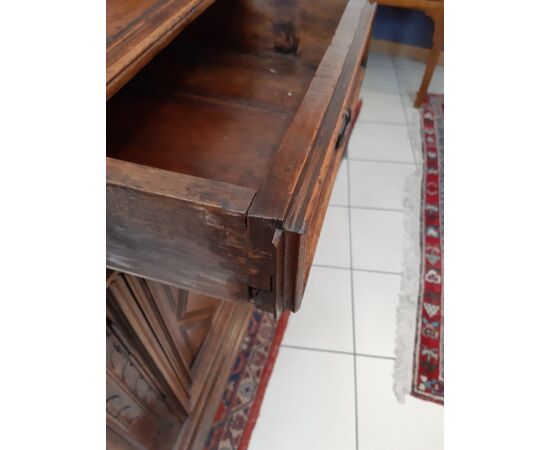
419	348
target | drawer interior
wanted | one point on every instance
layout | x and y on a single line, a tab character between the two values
218	101
223	150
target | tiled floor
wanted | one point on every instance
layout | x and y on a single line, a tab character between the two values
331	387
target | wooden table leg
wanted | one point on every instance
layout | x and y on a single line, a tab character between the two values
432	58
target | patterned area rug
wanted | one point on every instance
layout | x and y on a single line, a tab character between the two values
240	406
419	349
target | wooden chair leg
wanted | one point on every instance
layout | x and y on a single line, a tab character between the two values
432	59
430	67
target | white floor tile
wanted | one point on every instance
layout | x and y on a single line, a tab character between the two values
409	64
376	296
382	81
379	61
382	108
384	423
333	246
412	114
340	190
413	129
309	403
409	80
326	306
377	240
378	185
380	142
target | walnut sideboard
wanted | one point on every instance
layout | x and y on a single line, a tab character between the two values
226	124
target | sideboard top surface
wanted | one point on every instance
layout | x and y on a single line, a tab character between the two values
138	29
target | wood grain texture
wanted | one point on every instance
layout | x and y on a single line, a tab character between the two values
332	78
207	139
269	80
299	28
199	242
138	29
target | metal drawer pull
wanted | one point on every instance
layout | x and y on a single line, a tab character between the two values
342	133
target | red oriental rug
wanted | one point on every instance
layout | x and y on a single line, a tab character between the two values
240	406
419	349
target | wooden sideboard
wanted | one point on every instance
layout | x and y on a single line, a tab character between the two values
226	124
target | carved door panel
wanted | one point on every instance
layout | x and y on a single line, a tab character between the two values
194	325
163	346
138	416
125	297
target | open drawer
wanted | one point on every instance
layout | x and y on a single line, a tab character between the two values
222	151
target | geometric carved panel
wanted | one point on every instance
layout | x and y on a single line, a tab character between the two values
191	315
169	352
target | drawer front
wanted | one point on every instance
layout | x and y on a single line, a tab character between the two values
339	141
304	215
181	230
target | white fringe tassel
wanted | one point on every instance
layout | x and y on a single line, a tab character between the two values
408	296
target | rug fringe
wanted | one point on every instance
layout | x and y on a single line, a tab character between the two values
408	295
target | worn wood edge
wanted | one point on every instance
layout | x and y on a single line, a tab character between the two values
293	153
397	50
148	40
195	430
136	184
290	274
232	199
322	155
315	198
314	195
297	266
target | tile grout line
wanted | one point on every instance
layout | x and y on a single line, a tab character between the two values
338	352
381	122
386	272
372	122
351	277
353	315
383	161
371	208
